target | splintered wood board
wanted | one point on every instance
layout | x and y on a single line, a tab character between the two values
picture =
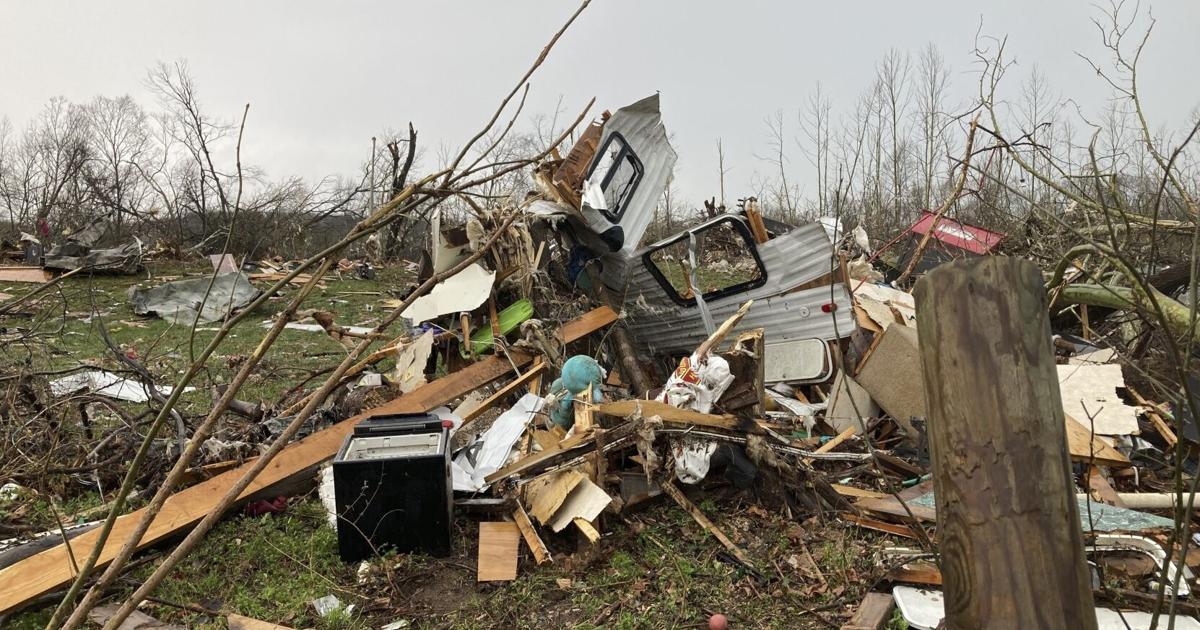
1084	446
540	552
546	493
586	501
647	408
498	542
52	569
873	613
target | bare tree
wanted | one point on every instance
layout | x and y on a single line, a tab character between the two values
815	124
119	141
932	86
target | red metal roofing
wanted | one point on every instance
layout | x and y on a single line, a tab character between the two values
973	239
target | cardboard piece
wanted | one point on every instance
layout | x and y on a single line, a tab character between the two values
586	501
891	374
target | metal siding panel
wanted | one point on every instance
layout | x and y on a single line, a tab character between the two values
791	260
641	126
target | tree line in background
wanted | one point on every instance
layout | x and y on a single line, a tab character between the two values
172	175
1039	161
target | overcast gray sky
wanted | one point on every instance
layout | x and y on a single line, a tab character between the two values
323	77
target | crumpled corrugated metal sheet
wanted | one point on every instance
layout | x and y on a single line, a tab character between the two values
791	260
179	302
71	255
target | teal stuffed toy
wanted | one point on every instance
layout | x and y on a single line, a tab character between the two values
578	373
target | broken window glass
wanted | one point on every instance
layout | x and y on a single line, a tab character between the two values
726	260
616	171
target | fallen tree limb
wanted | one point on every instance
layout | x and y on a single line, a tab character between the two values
1177	316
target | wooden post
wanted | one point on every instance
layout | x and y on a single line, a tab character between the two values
1011	546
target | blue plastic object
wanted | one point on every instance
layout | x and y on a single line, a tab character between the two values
578	373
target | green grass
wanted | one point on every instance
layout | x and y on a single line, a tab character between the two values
166	348
266	567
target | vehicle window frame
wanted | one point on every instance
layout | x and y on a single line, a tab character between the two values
741	229
626	152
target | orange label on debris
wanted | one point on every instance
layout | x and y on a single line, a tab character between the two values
685	372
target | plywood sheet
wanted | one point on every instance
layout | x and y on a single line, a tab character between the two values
1084	446
25	274
498	543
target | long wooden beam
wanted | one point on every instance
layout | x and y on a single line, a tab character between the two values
52	569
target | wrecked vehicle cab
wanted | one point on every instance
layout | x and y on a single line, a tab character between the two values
604	195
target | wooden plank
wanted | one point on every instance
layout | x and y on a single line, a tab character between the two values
498	542
881	526
587	529
583	410
851	491
25	274
540	552
837	441
1086	447
873	613
916	573
52	569
1160	425
1005	495
889	506
647	408
538	367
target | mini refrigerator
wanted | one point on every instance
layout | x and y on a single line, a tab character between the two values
392	487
